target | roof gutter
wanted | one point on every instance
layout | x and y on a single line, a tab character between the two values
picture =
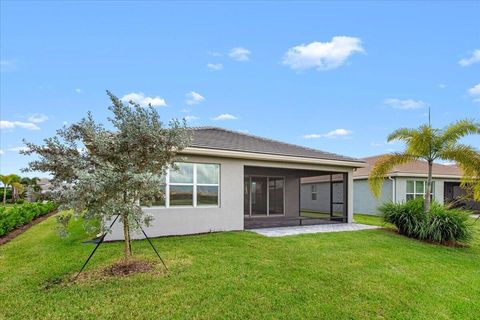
415	175
268	157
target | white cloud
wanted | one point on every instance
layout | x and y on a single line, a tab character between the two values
5	124
381	144
191	118
78	90
475	92
475	58
215	66
376	144
37	118
331	134
442	85
322	55
193	98
143	100
406	104
7	65
240	54
224	116
1	151
18	149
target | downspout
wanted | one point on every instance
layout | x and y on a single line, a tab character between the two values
394	189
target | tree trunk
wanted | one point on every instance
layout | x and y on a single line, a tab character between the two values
126	236
5	194
426	202
13	194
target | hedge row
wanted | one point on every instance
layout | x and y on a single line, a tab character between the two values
18	215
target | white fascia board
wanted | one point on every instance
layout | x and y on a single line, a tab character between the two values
414	175
267	157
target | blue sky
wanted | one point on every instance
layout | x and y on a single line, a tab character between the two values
333	76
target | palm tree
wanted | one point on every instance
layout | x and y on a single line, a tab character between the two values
18	189
7	180
429	144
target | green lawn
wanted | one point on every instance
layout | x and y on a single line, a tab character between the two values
239	275
371	220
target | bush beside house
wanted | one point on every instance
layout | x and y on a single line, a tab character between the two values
440	224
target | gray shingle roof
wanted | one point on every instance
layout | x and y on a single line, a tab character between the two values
222	139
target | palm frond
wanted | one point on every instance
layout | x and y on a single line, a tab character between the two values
462	154
383	166
470	182
422	142
468	159
17	185
460	129
402	134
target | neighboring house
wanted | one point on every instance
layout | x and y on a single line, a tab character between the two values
403	183
232	181
45	185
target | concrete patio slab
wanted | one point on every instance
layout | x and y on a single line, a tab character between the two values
324	228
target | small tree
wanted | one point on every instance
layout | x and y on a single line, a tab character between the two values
429	144
17	189
8	180
100	173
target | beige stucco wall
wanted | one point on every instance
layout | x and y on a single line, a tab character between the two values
229	215
365	202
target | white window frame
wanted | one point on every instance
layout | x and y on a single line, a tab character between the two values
415	193
194	184
313	191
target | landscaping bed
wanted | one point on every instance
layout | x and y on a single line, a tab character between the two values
14	217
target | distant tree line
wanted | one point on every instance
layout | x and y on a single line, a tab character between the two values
17	189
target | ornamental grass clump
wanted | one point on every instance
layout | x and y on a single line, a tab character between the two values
440	224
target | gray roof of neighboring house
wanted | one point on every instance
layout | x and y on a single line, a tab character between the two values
222	139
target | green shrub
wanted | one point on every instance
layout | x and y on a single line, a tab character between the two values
18	215
440	224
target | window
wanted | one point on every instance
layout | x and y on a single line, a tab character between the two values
181	184
190	185
417	189
207	184
159	199
314	192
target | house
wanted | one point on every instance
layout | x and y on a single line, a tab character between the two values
402	183
45	185
228	180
